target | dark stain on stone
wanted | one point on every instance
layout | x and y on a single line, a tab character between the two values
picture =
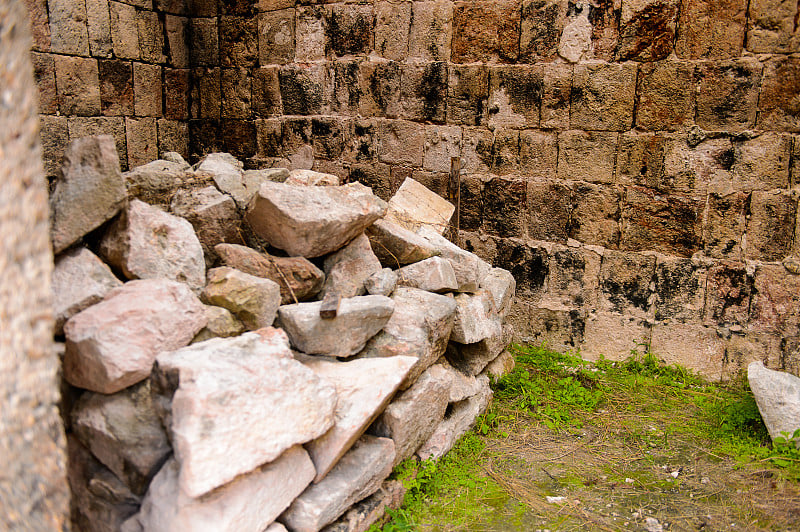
729	299
432	91
544	34
648	36
300	95
528	265
505	199
384	84
239	138
675	283
725	159
347	32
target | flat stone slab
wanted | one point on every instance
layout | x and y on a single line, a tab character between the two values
347	269
312	221
357	320
471	359
80	279
112	345
395	246
358	475
296	276
253	300
89	192
414	206
232	404
434	275
381	283
148	243
777	394
502	285
365	513
461	386
363	388
469	268
248	504
475	319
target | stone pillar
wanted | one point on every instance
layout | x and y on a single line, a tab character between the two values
33	488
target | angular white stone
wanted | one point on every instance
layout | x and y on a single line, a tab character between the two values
254	300
232	404
221	324
501	284
469	267
475	318
312	221
414	206
461	386
381	283
778	397
112	345
473	358
227	174
346	270
434	275
148	243
419	328
411	418
363	388
80	280
312	178
394	245
357	320
248	504
357	475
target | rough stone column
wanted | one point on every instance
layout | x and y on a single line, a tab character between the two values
33	488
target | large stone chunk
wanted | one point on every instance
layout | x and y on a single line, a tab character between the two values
469	267
414	206
254	300
232	404
112	345
462	386
394	245
358	475
124	432
778	397
474	357
363	388
312	221
347	270
248	504
357	320
434	275
294	275
412	417
419	327
147	243
475	318
89	192
213	216
501	285
80	280
156	181
227	174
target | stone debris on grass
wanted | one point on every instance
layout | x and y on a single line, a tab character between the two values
434	275
80	279
396	246
358	475
297	277
777	395
381	283
233	404
112	345
368	511
363	389
213	216
357	320
414	206
347	269
312	221
253	300
221	324
148	243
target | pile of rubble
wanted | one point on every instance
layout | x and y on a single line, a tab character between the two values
332	336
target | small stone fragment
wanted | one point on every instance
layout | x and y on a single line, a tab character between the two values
358	320
346	270
213	216
148	243
89	192
501	284
254	300
394	245
469	267
112	345
175	157
312	221
434	275
254	178
414	206
461	386
500	366
472	358
778	397
80	280
475	318
156	181
357	475
232	404
221	324
365	513
381	283
330	306
227	174
311	178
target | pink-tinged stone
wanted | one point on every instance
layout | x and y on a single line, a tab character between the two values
475	318
363	388
221	324
312	179
89	192
312	221
347	270
434	275
502	286
248	504
469	268
414	206
381	283
254	300
80	280
358	475
233	404
362	515
112	345
394	245
148	243
500	366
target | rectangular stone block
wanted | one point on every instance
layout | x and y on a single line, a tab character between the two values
541	25
98	22
296	133
392	27
711	29
613	336
476	150
173	135
770	226
202	8
40	26
310	33
549	208
176	97
68	33
203	42
343	87
330	136
602	96
538	154
688	168
529	264
574	278
147	89
596	215
377	176
245	8
647	29
773	27
78	85
743	348
54	136
505	151
467	90
670	223
587	155
431	30
276	37
728	94
486	31
625	283
116	87
151	37
176	29
666	92
238	41
557	327
124	30
380	89
238	137
175	7
680	289
762	162
777	106
695	347
725	225
142	140
470	217
515	96
236	93
505	198
401	142
556	94
206	95
266	92
363	145
89	126
268	138
442	144
44	74
423	92
348	29
301	88
775	305
728	291
203	137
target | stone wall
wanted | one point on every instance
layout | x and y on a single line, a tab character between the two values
33	489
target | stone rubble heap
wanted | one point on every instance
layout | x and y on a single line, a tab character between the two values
214	386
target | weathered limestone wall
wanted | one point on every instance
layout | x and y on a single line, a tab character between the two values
33	490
